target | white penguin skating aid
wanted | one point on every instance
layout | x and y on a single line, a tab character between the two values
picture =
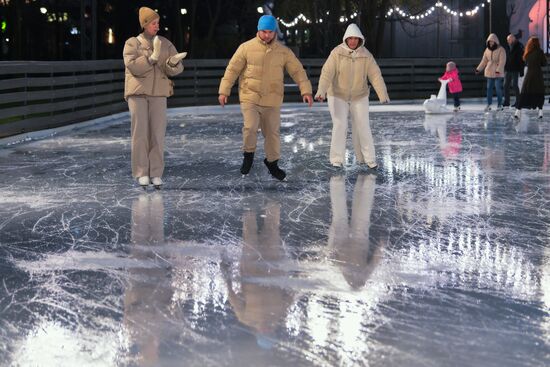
438	104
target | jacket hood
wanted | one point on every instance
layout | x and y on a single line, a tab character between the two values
493	37
354	31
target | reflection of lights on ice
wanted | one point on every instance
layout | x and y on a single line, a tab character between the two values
460	177
470	258
288	138
318	323
50	344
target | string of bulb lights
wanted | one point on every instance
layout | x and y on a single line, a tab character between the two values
302	17
471	12
396	11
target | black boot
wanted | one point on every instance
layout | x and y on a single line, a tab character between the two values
274	169
247	162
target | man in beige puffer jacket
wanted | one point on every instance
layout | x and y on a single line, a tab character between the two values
345	78
150	60
493	61
259	64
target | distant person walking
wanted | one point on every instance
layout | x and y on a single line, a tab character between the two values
532	89
344	81
513	70
150	60
259	64
493	61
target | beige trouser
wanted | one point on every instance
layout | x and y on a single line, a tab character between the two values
268	119
148	115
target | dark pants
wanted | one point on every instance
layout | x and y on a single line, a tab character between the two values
511	81
456	97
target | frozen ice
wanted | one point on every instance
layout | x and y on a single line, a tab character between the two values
439	258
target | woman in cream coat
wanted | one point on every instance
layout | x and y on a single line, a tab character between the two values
493	61
149	61
345	78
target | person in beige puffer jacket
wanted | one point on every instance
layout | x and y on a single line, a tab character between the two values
150	60
259	64
493	61
345	79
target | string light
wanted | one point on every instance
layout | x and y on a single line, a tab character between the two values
302	17
438	4
397	11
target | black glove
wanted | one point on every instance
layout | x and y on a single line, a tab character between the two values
521	73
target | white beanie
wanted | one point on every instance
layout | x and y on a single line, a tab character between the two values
354	31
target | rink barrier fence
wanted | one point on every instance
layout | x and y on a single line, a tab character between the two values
36	95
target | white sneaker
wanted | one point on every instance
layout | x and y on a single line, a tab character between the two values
517	114
540	113
156	181
144	180
488	108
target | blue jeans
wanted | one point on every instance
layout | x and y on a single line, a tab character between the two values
456	97
494	83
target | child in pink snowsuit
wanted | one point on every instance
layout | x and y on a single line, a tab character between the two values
455	86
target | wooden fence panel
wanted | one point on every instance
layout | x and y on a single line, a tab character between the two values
38	95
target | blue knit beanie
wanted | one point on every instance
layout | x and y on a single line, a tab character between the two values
267	23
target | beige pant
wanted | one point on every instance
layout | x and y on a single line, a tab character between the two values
148	116
268	119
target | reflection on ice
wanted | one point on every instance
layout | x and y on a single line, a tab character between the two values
81	347
440	258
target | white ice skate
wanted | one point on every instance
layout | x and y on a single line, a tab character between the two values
143	181
157	182
438	104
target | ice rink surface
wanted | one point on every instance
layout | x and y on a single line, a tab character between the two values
440	258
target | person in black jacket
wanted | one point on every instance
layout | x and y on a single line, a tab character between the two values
513	68
532	88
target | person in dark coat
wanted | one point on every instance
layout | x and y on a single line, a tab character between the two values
513	69
532	90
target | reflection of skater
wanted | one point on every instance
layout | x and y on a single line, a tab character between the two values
546	157
259	64
437	125
345	78
493	61
148	296
532	89
526	125
349	240
260	305
149	61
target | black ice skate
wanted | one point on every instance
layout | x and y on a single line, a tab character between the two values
274	169
248	159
